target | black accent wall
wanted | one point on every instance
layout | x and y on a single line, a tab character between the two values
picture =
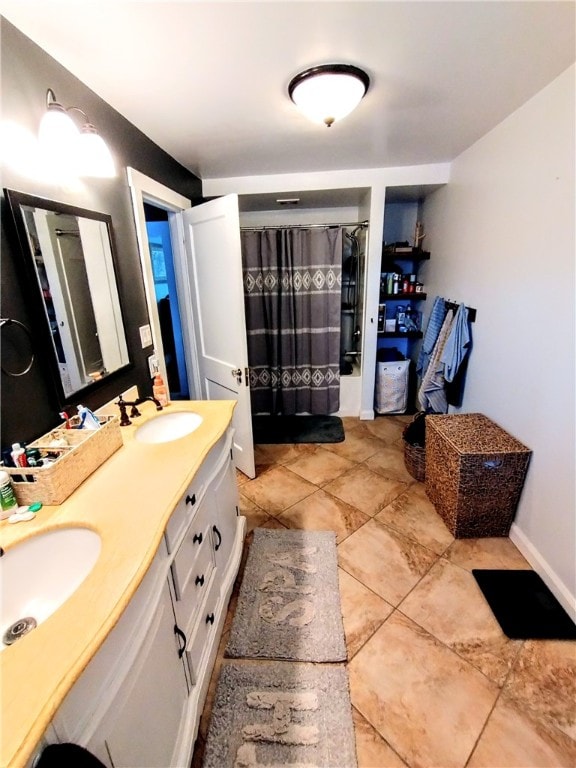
29	406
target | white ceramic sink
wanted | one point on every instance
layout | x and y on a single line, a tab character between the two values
168	426
40	573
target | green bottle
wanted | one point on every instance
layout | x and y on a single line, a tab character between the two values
8	503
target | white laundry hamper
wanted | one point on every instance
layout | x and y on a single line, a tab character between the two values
392	386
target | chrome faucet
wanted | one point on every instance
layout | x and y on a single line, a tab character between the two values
123	404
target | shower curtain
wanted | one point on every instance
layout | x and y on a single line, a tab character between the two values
292	293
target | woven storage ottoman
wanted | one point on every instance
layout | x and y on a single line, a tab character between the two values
474	474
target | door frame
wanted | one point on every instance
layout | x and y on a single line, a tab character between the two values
143	189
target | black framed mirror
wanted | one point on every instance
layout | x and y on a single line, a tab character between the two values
69	278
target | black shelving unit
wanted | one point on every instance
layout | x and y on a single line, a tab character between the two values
404	254
406	261
414	296
400	335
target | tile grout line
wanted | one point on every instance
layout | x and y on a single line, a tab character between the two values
379	736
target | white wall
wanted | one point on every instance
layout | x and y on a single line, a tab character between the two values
501	236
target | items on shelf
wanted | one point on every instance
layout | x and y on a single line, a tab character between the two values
396	283
419	234
401	319
408	319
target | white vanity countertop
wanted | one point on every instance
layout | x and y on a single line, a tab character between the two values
128	501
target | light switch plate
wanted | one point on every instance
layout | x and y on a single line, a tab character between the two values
153	366
145	336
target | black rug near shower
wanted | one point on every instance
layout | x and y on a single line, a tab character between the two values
297	429
524	606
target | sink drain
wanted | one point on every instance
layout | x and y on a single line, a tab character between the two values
18	630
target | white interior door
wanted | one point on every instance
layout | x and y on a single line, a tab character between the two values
212	238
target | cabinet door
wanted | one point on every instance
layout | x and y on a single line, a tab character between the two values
225	504
142	727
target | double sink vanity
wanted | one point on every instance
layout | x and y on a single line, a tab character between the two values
130	580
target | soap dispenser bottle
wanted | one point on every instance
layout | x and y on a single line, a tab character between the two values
159	390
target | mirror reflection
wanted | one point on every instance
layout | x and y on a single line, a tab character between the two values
73	266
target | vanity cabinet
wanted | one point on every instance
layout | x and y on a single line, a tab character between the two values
139	701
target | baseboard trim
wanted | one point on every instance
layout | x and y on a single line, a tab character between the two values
546	572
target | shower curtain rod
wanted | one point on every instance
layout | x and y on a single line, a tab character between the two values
359	224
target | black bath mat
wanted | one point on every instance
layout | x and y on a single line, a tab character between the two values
524	606
297	429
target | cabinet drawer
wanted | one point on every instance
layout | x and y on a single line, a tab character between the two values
180	518
191	578
205	627
186	507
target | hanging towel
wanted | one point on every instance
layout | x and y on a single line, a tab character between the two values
457	344
435	321
432	392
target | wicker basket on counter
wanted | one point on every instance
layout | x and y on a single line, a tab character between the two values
84	452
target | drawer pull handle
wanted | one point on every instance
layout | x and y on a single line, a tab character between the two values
197	538
181	636
493	463
191	499
200	580
217	532
210	618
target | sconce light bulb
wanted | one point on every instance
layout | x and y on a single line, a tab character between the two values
57	128
94	157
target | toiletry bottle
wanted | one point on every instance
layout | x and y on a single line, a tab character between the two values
18	455
400	319
159	390
8	503
33	457
88	420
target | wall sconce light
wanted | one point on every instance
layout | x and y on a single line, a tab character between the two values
328	92
82	152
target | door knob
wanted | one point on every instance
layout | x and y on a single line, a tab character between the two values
237	373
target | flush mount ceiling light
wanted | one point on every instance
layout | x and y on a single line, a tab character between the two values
328	92
83	151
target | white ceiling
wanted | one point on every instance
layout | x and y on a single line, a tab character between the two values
207	81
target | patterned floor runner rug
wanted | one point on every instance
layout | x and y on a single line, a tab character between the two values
289	601
281	714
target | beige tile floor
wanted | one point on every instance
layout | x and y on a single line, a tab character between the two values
433	680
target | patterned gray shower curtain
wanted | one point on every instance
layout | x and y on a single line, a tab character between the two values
292	294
